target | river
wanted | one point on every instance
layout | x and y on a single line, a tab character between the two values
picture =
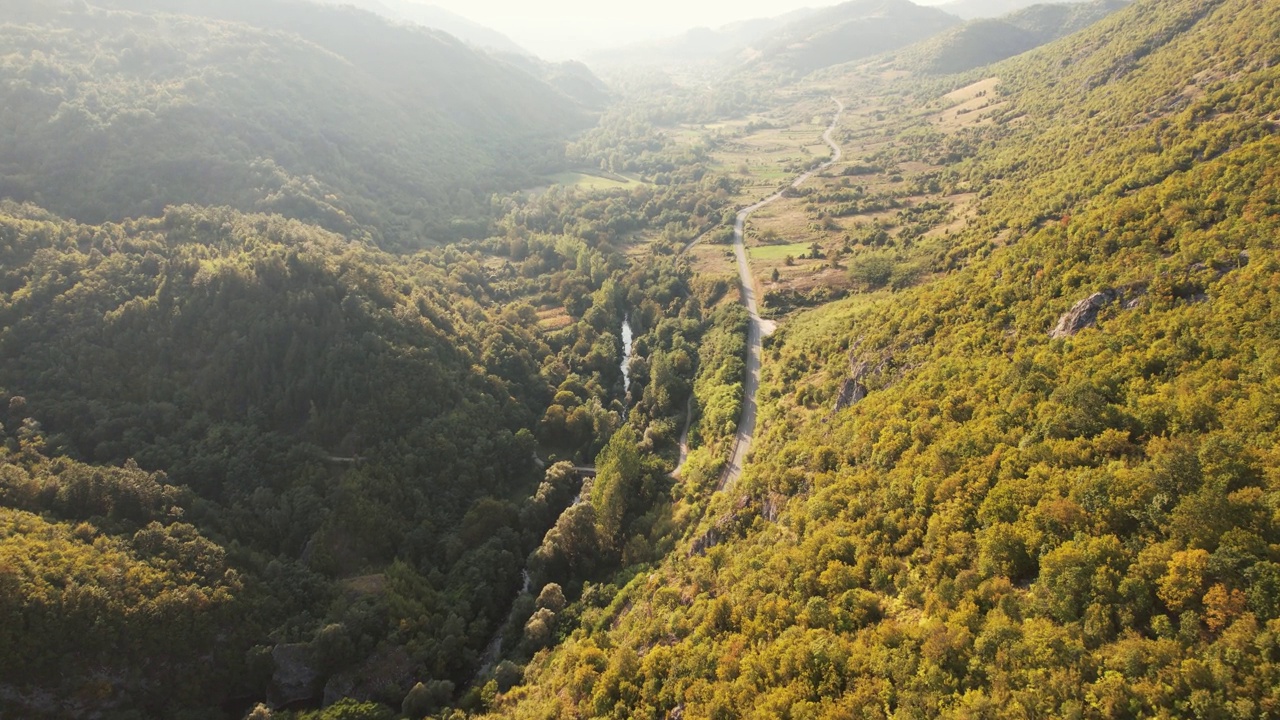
627	337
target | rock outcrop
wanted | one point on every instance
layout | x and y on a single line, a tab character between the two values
852	392
705	542
388	667
854	388
296	677
1084	314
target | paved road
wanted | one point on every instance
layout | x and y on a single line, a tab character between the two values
759	328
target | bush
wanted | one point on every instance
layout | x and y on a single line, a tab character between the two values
873	270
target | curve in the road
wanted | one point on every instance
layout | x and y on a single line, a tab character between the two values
758	327
684	438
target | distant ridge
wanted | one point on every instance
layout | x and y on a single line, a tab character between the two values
798	42
436	17
846	32
698	45
973	9
985	41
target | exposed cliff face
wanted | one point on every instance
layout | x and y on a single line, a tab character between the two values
1188	285
1083	314
853	389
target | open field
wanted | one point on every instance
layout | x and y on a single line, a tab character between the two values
766	253
556	318
593	181
897	206
973	105
712	259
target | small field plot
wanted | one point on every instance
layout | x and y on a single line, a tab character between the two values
556	318
973	105
768	253
712	259
592	181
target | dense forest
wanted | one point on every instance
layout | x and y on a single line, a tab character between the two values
341	444
307	412
352	435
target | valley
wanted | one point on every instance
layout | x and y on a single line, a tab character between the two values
873	360
759	328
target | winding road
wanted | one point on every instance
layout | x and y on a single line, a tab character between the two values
760	328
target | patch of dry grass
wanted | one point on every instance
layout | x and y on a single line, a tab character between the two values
554	318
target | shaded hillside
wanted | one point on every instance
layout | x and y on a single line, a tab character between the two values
245	459
1052	493
846	32
982	42
323	412
290	108
278	375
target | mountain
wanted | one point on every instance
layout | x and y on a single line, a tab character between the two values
974	9
699	45
985	41
846	32
438	18
245	459
573	79
1027	466
798	42
1015	450
118	109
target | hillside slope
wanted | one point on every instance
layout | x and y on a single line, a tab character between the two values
283	107
245	459
1056	495
846	32
985	41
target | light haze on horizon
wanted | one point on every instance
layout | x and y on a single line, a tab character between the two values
565	29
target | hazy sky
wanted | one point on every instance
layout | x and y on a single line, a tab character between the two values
560	29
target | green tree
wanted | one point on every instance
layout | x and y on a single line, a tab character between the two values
618	475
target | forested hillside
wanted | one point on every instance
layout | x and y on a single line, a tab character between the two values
325	451
325	414
119	108
1035	478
